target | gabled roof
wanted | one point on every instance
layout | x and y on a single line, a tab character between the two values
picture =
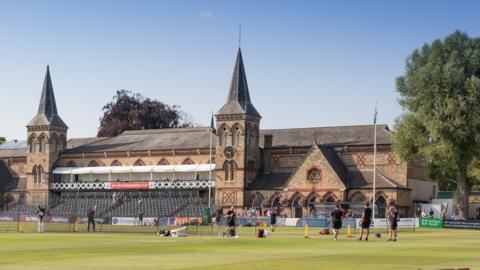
47	114
149	139
13	149
238	101
327	136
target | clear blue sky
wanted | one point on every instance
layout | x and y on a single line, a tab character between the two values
308	63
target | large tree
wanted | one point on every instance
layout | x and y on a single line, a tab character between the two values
129	111
440	95
2	140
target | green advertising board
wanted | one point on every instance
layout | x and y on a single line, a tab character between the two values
431	222
206	217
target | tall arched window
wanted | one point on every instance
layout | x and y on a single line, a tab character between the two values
236	136
35	174
233	169
223	137
43	143
230	169
381	205
40	173
139	162
32	141
92	163
53	143
62	141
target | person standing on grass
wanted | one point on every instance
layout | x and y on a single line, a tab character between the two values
336	221
41	214
140	218
273	219
366	221
91	218
393	220
231	221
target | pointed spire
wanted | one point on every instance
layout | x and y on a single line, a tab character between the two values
238	101
47	100
47	110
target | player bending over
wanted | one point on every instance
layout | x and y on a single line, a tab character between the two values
366	221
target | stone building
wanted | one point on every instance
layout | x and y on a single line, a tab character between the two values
293	168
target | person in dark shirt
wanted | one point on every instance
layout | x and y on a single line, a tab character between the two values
273	219
430	213
336	221
231	222
418	213
366	221
41	214
140	218
91	218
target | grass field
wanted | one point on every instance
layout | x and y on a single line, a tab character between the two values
284	249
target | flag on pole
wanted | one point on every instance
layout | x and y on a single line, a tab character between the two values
375	115
212	125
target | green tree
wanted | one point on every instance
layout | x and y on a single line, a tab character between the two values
2	140
440	95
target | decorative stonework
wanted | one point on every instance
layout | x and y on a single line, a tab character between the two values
360	160
314	175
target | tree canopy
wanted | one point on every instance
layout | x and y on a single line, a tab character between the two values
129	111
2	140
440	95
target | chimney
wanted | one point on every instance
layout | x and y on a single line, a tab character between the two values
267	142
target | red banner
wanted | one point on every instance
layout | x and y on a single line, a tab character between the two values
129	185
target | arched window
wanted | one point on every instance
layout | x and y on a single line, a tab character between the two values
257	200
329	198
62	141
32	142
230	169
53	142
233	169
357	197
163	162
139	162
223	137
43	143
236	136
381	206
92	163
226	170
72	164
297	205
311	200
35	174
115	163
188	161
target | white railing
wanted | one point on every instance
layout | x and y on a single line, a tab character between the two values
155	185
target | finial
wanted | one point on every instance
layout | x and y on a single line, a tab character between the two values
239	35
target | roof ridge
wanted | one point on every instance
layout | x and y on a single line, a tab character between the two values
162	130
301	128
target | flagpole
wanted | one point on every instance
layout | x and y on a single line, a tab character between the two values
210	167
374	160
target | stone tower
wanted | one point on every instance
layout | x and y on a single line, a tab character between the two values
47	137
237	153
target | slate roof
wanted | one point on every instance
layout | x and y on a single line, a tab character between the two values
47	114
153	139
13	149
364	179
327	136
77	142
238	101
270	181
